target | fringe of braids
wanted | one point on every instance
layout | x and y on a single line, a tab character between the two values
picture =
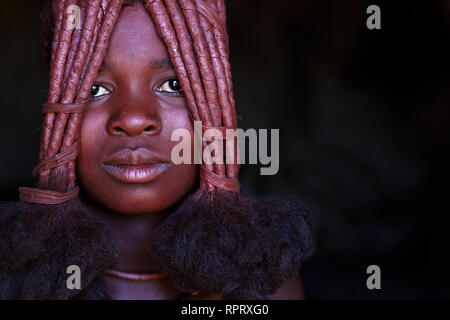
236	262
194	32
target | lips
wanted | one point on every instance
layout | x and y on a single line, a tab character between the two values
135	166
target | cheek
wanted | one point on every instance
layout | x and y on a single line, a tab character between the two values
93	126
91	133
174	120
89	171
177	119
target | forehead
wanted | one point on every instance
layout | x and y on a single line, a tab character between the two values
135	39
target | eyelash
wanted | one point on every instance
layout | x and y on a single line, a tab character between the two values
173	93
99	88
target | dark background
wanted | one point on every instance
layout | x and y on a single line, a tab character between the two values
364	123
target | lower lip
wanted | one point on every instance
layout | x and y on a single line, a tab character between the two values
143	173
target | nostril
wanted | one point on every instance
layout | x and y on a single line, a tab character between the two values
118	130
148	129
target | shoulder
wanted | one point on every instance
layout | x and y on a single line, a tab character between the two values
39	242
291	290
240	248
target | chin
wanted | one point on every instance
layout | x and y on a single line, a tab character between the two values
136	210
134	204
134	199
137	200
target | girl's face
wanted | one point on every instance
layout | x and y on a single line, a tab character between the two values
125	159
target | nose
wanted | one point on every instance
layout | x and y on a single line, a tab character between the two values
134	122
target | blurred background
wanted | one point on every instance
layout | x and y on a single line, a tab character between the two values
364	129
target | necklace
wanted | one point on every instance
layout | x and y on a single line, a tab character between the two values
136	276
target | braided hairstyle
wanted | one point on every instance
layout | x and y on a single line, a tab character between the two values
216	241
194	32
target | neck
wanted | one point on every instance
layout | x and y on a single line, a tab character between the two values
132	235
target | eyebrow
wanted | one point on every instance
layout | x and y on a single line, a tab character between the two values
160	63
154	64
106	66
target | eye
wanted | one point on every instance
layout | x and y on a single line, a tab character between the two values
99	91
171	86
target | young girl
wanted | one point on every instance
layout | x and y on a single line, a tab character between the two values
124	76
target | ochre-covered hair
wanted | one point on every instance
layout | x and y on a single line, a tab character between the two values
194	32
229	244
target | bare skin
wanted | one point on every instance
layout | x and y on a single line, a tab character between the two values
136	106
